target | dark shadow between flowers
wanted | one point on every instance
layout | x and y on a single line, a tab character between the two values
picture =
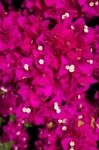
92	94
52	23
33	133
93	22
5	4
17	3
97	144
3	122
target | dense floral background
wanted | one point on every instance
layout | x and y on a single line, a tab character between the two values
49	75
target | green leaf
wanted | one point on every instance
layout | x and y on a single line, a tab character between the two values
1	146
12	117
27	125
6	146
0	121
9	145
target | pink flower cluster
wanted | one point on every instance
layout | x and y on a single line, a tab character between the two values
49	75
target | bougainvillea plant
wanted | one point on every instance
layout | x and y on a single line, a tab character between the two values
49	75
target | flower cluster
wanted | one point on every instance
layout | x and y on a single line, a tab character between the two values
49	74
